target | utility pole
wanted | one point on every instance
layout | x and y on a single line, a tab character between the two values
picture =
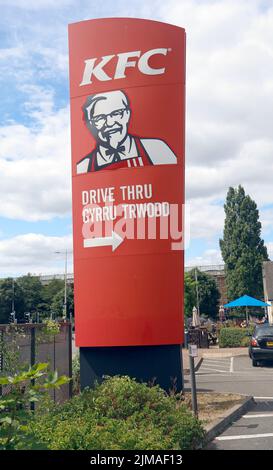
12	306
65	288
12	315
197	291
193	352
65	284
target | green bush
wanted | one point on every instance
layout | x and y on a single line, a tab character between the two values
23	389
245	341
234	337
119	414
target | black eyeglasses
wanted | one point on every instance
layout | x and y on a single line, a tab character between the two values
101	119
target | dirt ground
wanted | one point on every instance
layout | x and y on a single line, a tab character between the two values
212	406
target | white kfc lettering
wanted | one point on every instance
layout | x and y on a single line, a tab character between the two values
90	69
143	63
123	63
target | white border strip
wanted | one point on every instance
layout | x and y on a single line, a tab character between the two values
266	415
263	398
212	368
231	365
243	436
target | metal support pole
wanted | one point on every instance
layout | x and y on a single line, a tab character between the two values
247	319
65	283
65	288
197	292
32	357
12	306
54	366
70	359
193	387
1	357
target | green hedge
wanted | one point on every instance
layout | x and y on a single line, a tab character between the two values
234	337
119	414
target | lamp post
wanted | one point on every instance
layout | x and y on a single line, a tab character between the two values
12	314
65	284
197	291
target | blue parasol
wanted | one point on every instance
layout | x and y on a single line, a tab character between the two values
246	301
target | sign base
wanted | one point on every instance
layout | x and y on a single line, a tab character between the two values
159	365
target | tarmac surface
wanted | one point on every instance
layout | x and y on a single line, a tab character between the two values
253	431
232	371
213	352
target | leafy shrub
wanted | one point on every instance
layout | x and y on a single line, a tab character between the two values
234	337
119	414
245	341
24	388
51	327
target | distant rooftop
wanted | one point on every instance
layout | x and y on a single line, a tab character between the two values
46	278
207	268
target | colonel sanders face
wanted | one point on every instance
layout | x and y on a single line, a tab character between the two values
107	116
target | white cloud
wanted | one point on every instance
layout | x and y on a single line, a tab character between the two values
35	254
206	219
266	218
209	257
270	249
229	102
229	106
35	167
252	167
36	4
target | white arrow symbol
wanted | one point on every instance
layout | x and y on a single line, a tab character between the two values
115	240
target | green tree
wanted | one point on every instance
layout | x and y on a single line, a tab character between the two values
8	293
33	292
51	289
242	248
208	293
49	292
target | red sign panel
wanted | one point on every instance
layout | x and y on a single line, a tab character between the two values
127	86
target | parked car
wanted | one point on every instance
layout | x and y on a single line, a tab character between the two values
261	344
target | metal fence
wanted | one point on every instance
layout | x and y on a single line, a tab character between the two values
198	336
24	345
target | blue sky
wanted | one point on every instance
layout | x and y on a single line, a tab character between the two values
229	120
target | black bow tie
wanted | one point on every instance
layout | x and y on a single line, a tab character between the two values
115	152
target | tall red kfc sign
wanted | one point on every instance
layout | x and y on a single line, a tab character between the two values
127	87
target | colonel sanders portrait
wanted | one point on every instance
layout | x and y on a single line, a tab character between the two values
107	116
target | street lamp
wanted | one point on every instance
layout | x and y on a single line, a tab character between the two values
12	314
197	291
65	284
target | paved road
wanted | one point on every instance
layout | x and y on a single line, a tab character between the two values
236	375
254	431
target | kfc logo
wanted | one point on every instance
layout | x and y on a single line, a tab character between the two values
107	116
124	61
